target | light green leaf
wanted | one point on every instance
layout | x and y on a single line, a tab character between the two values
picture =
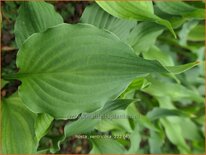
42	124
139	118
34	17
177	127
95	15
176	92
81	73
17	130
186	28
181	8
115	120
144	35
174	133
154	53
190	130
139	10
135	139
181	68
157	113
107	146
197	33
156	141
136	84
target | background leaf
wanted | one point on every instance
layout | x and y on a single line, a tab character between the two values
106	21
181	8
144	35
34	17
106	146
141	11
18	134
88	121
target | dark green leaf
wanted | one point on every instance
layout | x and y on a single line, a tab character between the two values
81	73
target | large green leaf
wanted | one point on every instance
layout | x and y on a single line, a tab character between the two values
95	15
144	35
181	8
139	10
80	73
17	128
34	17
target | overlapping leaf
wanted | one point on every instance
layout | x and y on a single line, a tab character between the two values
181	8
141	11
34	17
97	16
144	35
42	125
17	130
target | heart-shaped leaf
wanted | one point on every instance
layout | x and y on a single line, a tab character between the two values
85	67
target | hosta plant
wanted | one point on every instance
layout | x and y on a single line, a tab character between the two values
141	59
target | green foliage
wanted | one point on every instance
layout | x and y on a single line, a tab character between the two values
18	134
34	17
106	21
120	60
82	81
141	11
